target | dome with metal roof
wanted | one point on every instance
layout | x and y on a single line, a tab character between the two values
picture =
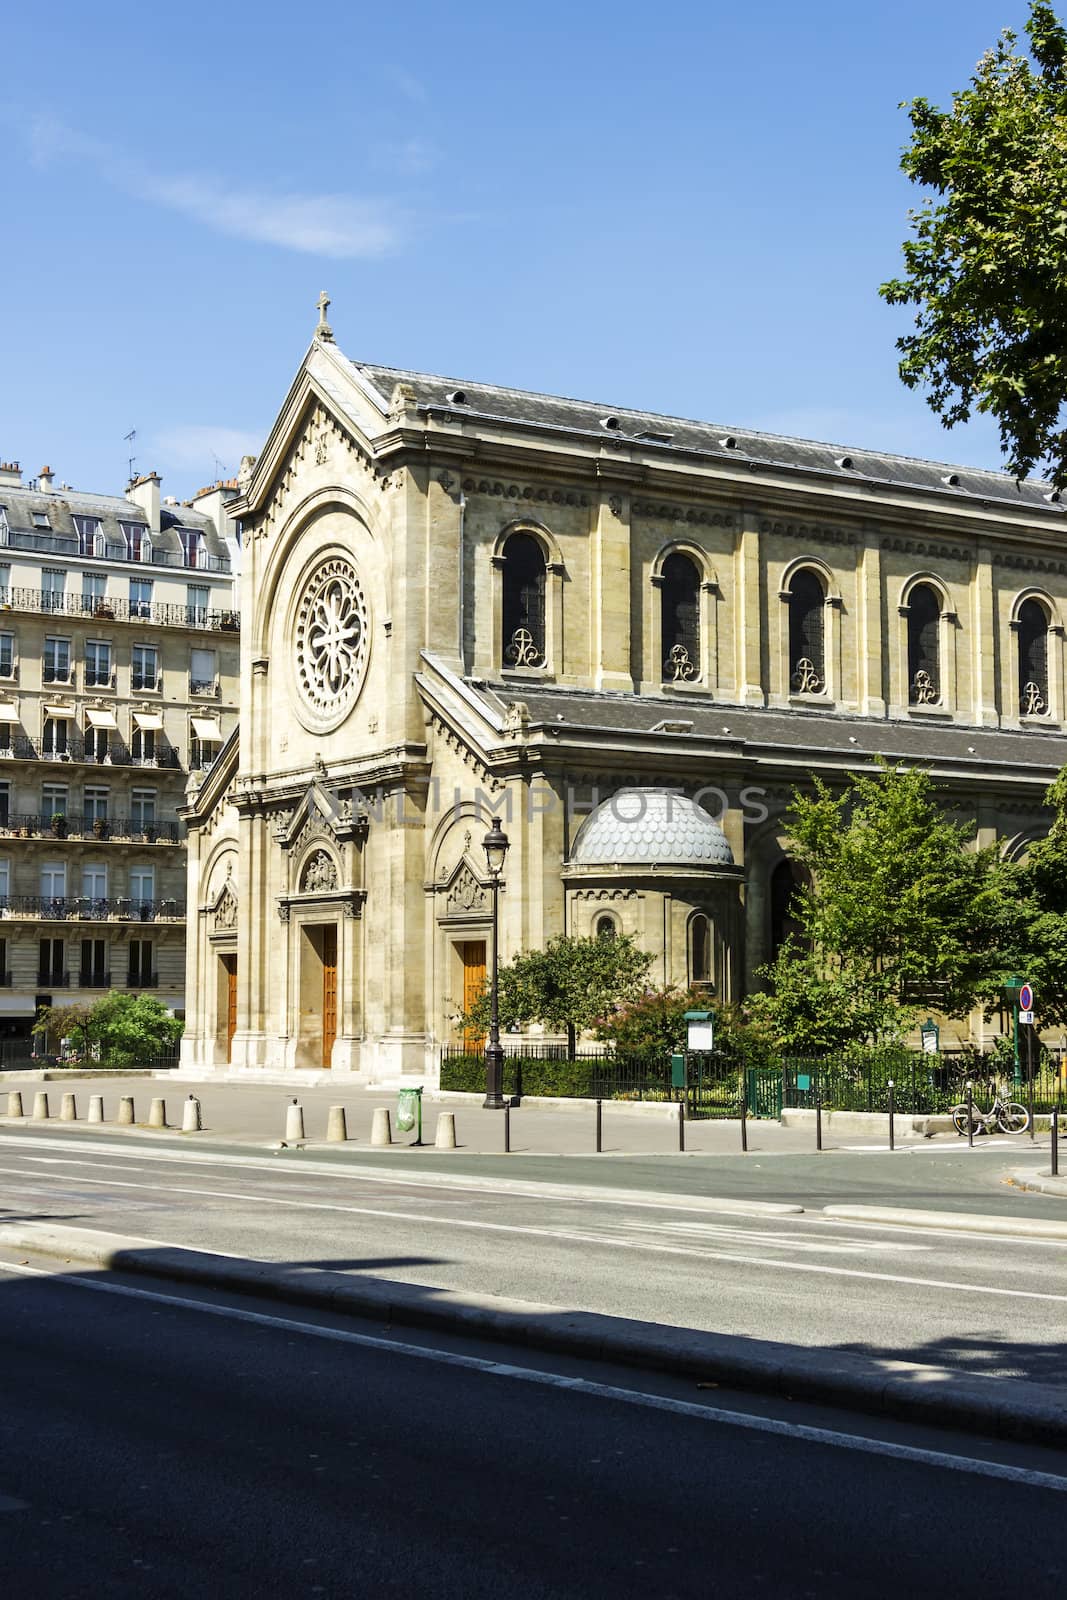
651	827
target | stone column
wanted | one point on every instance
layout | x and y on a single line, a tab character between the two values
610	598
872	686
748	613
985	644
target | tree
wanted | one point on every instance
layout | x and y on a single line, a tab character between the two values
900	908
74	1021
1041	910
134	1028
121	1030
987	266
569	985
655	1021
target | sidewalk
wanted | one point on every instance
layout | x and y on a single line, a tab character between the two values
255	1114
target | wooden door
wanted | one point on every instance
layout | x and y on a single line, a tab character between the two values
230	965
472	955
329	993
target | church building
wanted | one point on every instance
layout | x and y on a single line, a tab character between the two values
625	635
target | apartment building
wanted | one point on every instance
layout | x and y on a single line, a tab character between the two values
119	646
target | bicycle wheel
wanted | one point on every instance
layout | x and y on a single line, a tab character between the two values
1013	1118
959	1119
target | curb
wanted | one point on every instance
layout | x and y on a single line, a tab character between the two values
957	1221
1000	1408
1039	1182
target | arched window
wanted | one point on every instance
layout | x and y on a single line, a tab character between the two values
680	619
699	949
524	602
1033	659
787	880
924	646
605	928
807	607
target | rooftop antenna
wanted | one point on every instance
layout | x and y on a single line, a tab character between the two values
129	438
220	467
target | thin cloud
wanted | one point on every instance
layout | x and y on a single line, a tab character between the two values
411	158
410	87
215	451
338	226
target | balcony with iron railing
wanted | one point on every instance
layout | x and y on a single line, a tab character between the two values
145	980
89	908
47	979
23	747
88	979
93	830
118	610
146	553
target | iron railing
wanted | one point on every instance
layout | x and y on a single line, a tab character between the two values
148	980
922	1084
101	549
118	610
33	825
94	980
90	908
52	980
26	747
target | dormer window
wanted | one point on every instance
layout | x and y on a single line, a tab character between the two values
40	519
90	538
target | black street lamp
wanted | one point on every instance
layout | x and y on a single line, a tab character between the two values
495	844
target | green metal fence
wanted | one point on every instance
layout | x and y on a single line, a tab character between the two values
716	1082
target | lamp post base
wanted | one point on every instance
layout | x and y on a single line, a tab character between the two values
494	1078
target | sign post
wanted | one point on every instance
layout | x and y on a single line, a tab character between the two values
1015	986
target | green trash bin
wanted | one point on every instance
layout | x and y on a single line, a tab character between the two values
409	1112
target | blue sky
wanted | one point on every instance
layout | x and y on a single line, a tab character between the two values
686	208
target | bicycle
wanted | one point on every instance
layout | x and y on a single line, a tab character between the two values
1004	1116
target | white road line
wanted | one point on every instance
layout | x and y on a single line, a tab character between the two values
970	1465
572	1236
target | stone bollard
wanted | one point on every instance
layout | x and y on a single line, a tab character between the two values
381	1130
125	1117
157	1114
14	1103
96	1108
445	1137
336	1126
40	1106
68	1108
191	1115
294	1122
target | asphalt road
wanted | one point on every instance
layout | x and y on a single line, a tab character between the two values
156	1450
987	1305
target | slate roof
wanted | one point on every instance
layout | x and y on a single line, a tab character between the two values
63	505
522	408
774	736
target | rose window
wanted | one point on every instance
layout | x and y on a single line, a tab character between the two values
331	640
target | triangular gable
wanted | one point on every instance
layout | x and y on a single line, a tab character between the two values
324	378
320	807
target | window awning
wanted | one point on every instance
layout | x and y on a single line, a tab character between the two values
59	711
100	719
207	728
9	711
148	721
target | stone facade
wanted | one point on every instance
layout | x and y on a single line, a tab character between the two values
119	651
466	600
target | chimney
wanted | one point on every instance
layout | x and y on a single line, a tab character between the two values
46	479
144	492
10	474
